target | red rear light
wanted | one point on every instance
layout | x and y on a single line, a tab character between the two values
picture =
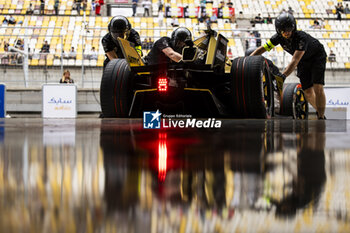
162	84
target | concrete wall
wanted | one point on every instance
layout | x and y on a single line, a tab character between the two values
30	100
13	77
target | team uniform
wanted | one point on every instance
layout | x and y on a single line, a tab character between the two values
312	66
109	44
156	56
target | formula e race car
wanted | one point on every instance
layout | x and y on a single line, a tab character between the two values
205	84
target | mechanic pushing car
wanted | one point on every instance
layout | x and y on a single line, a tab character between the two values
119	26
168	49
309	57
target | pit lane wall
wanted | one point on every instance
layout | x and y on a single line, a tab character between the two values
337	103
29	100
91	77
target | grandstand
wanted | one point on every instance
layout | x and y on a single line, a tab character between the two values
85	32
20	7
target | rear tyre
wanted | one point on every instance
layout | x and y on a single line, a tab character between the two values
116	91
293	101
251	88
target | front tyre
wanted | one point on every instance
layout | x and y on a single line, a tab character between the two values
293	101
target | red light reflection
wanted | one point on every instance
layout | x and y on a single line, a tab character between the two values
162	156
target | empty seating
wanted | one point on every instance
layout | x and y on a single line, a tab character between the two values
21	7
64	32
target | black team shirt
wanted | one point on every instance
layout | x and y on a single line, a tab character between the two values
156	56
300	41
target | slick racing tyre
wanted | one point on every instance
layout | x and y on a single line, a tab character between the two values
116	90
251	88
293	101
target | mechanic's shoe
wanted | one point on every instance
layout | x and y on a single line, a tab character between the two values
321	118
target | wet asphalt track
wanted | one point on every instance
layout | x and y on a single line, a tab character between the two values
111	175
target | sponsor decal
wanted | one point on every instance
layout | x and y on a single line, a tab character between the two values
337	102
53	100
134	60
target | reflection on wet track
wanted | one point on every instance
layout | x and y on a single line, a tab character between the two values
110	175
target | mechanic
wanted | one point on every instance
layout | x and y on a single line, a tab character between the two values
119	26
309	57
166	50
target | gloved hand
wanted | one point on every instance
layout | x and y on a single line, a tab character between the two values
283	76
280	80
